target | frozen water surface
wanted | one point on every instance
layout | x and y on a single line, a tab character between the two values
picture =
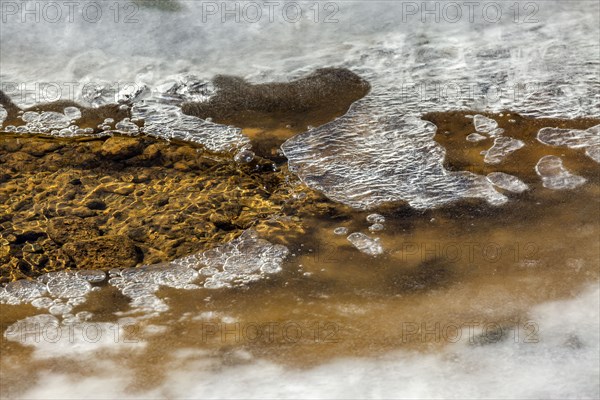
555	176
507	182
365	244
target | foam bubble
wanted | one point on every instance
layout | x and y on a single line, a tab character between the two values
22	291
127	127
244	156
376	227
68	286
72	113
40	122
375	218
242	260
93	276
555	176
340	230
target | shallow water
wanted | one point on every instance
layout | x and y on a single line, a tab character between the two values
422	243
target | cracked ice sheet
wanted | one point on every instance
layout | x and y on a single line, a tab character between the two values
364	165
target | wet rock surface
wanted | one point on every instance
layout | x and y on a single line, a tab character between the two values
102	203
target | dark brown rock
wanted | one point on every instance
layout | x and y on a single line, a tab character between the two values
103	252
66	229
121	147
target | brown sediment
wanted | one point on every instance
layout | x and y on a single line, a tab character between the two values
465	264
454	127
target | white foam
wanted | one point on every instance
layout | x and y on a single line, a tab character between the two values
555	176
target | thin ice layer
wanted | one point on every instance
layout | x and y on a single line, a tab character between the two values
58	292
484	124
365	244
501	148
555	176
168	122
588	139
245	259
572	138
507	182
241	261
364	165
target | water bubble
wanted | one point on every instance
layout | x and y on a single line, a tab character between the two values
60	309
126	126
69	286
72	113
375	218
42	302
341	230
244	156
376	227
91	275
25	290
